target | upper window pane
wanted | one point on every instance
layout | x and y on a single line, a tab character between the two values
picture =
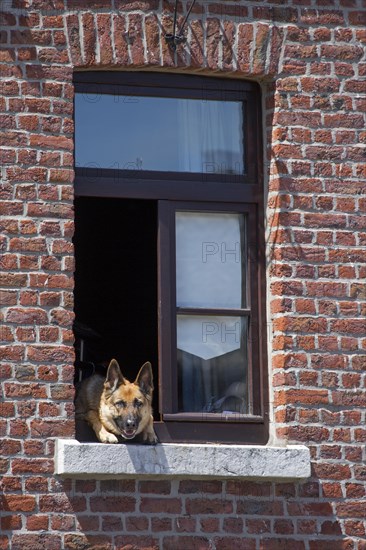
163	134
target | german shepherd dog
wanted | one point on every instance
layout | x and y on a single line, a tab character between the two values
115	407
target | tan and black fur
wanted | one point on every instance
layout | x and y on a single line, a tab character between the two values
115	407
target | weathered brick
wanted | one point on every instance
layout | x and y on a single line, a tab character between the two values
120	41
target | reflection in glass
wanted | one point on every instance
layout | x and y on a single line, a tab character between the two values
165	134
210	266
212	364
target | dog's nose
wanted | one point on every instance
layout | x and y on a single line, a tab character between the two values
130	423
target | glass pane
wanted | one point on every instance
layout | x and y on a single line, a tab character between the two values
210	259
212	364
165	134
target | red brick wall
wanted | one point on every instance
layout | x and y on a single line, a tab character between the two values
310	58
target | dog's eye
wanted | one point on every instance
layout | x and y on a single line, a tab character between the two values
121	404
138	403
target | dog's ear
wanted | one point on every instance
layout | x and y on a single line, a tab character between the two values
114	377
144	379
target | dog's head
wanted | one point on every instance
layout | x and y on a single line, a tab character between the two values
127	404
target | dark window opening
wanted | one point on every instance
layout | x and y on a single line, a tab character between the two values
116	285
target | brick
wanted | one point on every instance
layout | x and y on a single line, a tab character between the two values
32	466
303	324
306	527
73	32
228	39
37	523
302	396
50	142
89	486
11	523
330	528
233	525
10	447
7	409
258	526
111	523
184	524
120	40
152	40
104	25
245	38
33	448
355	490
182	543
155	487
105	504
36	541
310	509
62	392
209	525
159	525
143	5
357	18
276	46
283	527
260	48
228	543
52	428
354	326
213	42
137	523
360	473
305	433
350	509
332	471
135	34
12	353
332	490
61	503
50	353
160	505
196	44
261	508
8	297
26	316
18	503
248	488
355	528
188	486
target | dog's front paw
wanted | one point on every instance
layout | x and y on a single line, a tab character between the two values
106	437
151	439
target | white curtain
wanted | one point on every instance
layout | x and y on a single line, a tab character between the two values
209	263
211	136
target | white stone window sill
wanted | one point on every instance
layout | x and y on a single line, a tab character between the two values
102	461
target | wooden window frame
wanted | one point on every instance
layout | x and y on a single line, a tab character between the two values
198	191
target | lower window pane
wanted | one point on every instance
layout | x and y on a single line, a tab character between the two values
212	364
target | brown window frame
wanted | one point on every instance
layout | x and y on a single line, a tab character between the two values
195	191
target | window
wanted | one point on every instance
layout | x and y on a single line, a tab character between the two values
169	246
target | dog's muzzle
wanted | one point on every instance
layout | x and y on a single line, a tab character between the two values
127	427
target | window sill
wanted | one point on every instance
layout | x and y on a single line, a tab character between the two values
99	460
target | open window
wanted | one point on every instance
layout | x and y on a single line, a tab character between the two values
169	247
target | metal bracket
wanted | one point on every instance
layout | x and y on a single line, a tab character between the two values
174	39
